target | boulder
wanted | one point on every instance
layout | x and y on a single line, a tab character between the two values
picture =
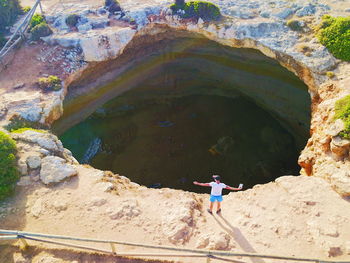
55	169
34	162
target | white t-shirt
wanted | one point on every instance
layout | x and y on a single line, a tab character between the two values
216	189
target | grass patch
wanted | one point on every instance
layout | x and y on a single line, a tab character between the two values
26	9
342	111
8	169
334	33
21	130
50	83
196	9
36	20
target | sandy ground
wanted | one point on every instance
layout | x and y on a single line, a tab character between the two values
295	216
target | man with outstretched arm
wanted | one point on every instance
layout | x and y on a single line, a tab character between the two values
216	192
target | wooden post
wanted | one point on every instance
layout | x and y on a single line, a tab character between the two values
41	8
113	248
208	259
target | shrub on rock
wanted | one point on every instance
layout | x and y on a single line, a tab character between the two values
294	25
51	82
41	30
196	9
72	20
9	10
112	6
36	20
334	33
342	111
8	170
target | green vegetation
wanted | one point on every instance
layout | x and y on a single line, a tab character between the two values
21	130
334	33
113	6
26	9
8	170
36	20
2	40
40	30
38	27
196	9
294	25
342	111
17	122
72	20
50	83
9	10
330	74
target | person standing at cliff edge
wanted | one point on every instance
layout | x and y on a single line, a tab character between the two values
216	192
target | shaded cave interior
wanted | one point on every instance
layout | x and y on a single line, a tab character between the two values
177	108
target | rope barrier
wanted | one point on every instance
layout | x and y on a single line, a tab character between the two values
13	234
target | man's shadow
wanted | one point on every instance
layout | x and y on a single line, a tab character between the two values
237	235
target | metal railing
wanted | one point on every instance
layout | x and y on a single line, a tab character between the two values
208	254
19	34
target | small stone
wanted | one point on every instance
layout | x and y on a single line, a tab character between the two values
19	86
60	205
36	208
104	186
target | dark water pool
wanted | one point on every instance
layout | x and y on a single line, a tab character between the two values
174	141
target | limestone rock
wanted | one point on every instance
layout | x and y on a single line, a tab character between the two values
45	140
19	258
97	201
59	205
128	209
176	225
335	128
340	147
307	10
36	208
24	181
34	162
22	166
106	44
340	181
55	169
220	242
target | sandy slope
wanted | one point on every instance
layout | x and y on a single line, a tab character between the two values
300	216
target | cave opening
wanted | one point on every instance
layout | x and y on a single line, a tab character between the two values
187	108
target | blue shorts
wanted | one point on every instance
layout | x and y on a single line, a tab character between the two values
214	198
